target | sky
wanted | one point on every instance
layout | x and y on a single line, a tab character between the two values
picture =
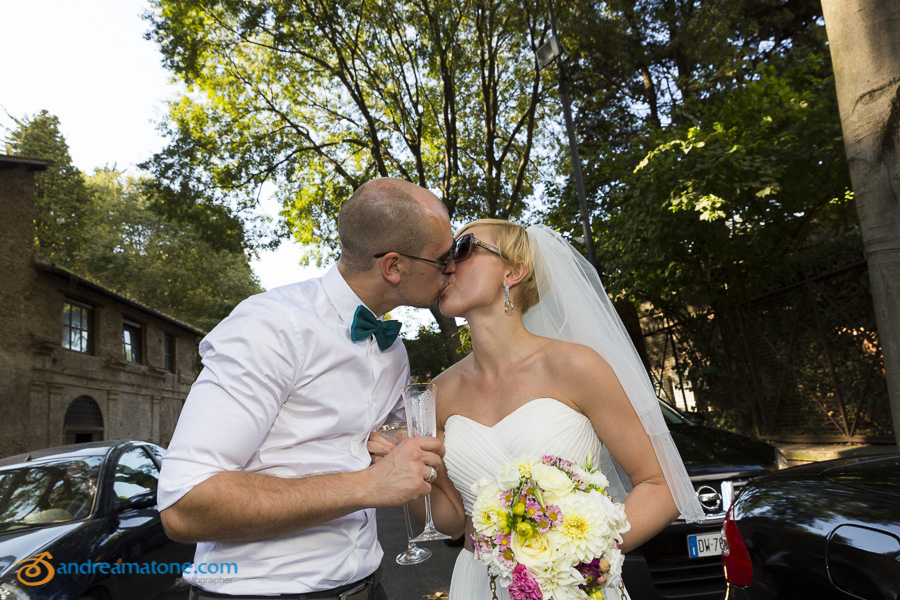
87	62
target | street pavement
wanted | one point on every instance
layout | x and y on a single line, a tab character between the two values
429	579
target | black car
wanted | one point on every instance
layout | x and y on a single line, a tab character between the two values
80	522
828	531
684	560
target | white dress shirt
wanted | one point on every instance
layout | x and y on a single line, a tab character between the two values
285	392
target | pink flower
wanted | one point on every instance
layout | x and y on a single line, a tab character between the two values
554	514
524	587
543	525
482	543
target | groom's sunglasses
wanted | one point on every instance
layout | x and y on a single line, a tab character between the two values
443	261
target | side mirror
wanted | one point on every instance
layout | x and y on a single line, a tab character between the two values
138	501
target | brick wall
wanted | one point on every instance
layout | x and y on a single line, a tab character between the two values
40	379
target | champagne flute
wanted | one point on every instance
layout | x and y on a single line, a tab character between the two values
419	400
397	432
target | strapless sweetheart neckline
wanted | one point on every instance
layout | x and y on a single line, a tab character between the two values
517	410
539	427
475	450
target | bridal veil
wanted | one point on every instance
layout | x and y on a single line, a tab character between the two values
574	307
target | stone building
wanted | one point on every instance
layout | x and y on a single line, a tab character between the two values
78	362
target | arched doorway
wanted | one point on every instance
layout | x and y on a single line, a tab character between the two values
83	421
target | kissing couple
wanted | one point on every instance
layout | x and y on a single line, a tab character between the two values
274	466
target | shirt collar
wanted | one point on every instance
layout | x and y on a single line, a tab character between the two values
342	296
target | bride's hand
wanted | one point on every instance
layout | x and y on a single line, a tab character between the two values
378	446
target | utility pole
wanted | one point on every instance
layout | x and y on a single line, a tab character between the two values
549	52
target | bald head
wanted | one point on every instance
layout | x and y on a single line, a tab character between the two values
387	215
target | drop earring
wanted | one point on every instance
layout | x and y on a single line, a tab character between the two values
508	305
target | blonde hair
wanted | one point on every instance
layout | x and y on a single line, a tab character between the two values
512	241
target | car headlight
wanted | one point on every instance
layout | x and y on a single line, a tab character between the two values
11	591
781	462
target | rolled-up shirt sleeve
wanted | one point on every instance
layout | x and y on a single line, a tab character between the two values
250	366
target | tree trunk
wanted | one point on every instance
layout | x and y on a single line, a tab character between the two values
450	335
865	51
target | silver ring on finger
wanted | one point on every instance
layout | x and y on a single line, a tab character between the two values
431	475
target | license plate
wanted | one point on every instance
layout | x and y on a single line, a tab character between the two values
704	544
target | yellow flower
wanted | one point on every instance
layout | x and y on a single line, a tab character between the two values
524	530
585	531
525	466
535	551
554	482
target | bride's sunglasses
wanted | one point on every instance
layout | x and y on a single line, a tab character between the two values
465	244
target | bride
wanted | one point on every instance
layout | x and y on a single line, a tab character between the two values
552	371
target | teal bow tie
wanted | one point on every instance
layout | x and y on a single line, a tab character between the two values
365	324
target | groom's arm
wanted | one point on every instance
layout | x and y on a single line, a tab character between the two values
239	506
251	362
205	495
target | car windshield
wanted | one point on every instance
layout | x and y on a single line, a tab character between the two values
671	415
48	492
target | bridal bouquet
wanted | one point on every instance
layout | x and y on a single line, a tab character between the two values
547	529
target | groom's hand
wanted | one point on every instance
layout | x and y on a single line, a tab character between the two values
399	476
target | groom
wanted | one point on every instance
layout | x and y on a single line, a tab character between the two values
268	467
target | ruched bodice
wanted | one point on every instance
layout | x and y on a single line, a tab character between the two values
542	426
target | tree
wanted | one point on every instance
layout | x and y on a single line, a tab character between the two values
733	202
641	68
426	354
164	264
217	225
192	265
61	198
865	50
713	159
313	98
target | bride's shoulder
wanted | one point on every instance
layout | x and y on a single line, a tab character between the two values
452	390
454	375
572	359
570	351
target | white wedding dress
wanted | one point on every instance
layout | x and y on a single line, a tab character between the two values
542	426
